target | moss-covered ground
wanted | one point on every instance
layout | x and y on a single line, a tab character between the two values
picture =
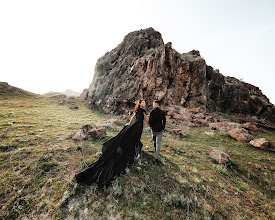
38	161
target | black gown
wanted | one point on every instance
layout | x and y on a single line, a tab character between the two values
117	154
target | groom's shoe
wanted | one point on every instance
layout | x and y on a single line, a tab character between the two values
157	161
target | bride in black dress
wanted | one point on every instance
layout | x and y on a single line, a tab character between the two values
118	152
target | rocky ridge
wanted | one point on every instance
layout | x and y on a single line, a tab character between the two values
143	67
6	88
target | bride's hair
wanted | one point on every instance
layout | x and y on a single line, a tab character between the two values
137	105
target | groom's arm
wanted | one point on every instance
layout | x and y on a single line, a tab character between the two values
150	119
164	121
146	120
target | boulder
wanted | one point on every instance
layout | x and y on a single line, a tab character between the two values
83	96
219	156
73	107
224	126
260	143
79	136
97	132
178	132
240	135
88	131
249	126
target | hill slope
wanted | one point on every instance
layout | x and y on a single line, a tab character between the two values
38	162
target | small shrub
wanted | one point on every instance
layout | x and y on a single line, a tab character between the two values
65	197
117	189
189	57
175	200
47	166
105	89
102	66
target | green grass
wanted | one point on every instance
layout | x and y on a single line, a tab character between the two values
38	161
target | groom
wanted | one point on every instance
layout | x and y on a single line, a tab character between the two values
157	121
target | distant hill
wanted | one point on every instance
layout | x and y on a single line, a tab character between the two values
68	92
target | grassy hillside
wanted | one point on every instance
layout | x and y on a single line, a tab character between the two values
38	162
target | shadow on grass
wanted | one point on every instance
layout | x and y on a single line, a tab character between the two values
145	190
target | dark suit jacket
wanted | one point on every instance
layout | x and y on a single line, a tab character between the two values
157	119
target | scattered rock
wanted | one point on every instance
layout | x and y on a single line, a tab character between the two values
249	126
83	96
113	121
224	126
240	135
65	101
97	132
125	117
73	107
58	96
260	143
178	132
89	131
219	156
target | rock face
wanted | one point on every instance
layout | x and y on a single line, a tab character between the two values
219	156
143	67
240	135
260	143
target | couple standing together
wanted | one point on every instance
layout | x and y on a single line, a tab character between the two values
119	152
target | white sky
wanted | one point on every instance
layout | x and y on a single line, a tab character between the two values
54	45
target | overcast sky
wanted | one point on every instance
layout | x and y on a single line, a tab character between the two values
54	45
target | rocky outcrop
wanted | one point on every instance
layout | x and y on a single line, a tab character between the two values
6	88
143	67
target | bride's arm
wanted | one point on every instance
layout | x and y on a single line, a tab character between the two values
132	118
146	120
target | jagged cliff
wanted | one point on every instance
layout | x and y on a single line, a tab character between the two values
143	67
